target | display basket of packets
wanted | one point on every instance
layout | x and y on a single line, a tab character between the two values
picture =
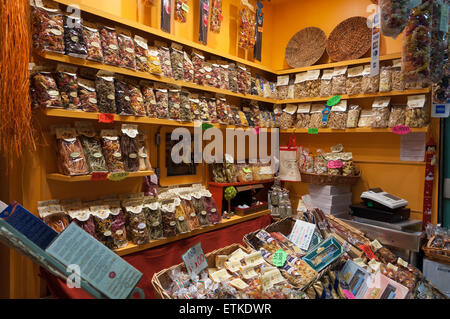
439	254
162	281
319	179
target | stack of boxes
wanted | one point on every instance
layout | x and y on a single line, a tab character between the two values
330	199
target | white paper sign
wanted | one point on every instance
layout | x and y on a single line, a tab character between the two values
194	259
413	147
302	233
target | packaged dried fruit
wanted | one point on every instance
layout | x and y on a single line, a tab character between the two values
354	80
381	112
162	102
67	81
91	146
247	19
185	107
385	79
110	46
188	68
93	42
118	227
216	15
71	159
394	15
325	83
303	116
142	54
397	116
256	113
136	100
164	57
300	85
288	116
198	59
177	61
102	222
83	218
126	49
46	91
129	147
143	155
397	77
233	77
168	219
181	10
74	43
417	44
174	103
106	98
208	74
221	110
216	75
243	80
123	100
417	112
353	116
339	80
282	87
195	107
154	60
369	84
204	110
111	150
88	95
48	28
316	116
149	99
212	105
338	116
365	118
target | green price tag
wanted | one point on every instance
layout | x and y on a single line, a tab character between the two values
119	176
313	131
185	7
334	100
279	258
206	126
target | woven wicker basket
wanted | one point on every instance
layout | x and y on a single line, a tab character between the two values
161	281
437	254
306	47
349	40
329	179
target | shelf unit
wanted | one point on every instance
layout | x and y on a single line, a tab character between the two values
132	248
85	178
351	130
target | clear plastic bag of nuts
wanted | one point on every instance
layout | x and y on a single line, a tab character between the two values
303	116
417	112
287	116
282	87
397	77
369	84
385	79
300	85
338	116
313	83
353	116
381	112
354	80
316	116
339	80
365	118
397	116
325	83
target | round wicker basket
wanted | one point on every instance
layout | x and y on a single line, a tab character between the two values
349	40
306	47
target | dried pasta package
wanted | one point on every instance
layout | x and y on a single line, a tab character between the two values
149	99
200	209
198	59
256	113
282	87
416	53
397	116
174	103
46	90
129	147
212	105
110	46
381	112
211	207
143	155
195	107
316	116
106	98
221	110
154	60
185	107
123	100
111	150
141	54
136	222
397	77
320	163
249	115
369	84
92	147
417	112
232	77
188	68
153	217
288	116
208	74
313	83
88	95
247	29
204	110
118	227
177	61
439	40
325	83
93	42
353	116
82	217
136	99
224	78
338	116
48	28
162	101
259	85
365	118
385	79
216	16
67	81
189	210
242	118
168	219
303	116
393	16
164	57
126	49
236	119
243	83
74	43
181	10
71	159
300	85
103	225
339	80
354	80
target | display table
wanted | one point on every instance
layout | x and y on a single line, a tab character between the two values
152	260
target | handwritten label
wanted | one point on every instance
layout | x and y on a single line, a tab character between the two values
334	164
119	176
279	258
313	131
195	260
105	118
401	129
369	253
99	176
334	100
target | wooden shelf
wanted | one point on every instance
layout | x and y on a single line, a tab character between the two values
351	130
84	178
132	248
240	184
387	57
147	76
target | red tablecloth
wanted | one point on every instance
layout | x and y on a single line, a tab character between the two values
152	260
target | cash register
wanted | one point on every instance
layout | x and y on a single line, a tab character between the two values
381	206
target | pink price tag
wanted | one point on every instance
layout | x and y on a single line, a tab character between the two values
348	294
334	164
105	118
205	7
401	129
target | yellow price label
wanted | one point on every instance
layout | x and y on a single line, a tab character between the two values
119	176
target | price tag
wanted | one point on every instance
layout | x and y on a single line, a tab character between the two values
99	176
369	253
206	126
334	164
256	130
313	131
105	118
279	258
185	7
119	176
194	259
401	129
334	100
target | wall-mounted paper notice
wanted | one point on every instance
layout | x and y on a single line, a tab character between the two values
412	147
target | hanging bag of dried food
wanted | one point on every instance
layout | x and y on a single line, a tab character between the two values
417	112
177	61
386	79
204	22
185	107
142	54
82	217
181	10
338	116
154	60
149	98
353	116
164	57
300	86
123	100
153	217
48	27
397	116
416	54
106	99
168	218
88	95
283	87
71	159
189	211
366	118
339	80
200	209
394	15
439	40
396	75
144	156
136	222
216	16
316	116
67	81
110	46
174	104
111	150
126	49
136	99
103	225
303	116
325	83
162	101
118	228
211	207
91	146
381	112
232	77
74	42
93	42
369	84
129	147
288	116
46	93
259	85
354	80
212	109
247	21
165	15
